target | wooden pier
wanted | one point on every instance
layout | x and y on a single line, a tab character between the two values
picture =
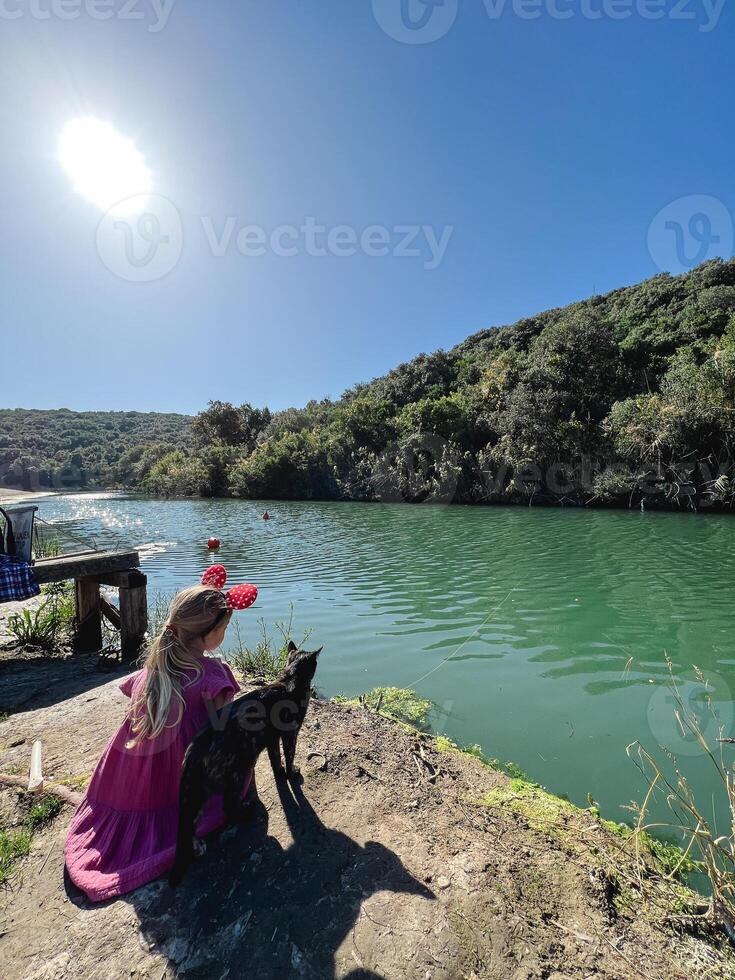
89	570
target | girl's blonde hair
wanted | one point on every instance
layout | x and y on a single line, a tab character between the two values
193	613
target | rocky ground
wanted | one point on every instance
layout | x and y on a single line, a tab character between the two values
37	677
396	857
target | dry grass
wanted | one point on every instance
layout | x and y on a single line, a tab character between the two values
716	853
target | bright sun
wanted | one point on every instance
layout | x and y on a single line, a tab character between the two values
105	167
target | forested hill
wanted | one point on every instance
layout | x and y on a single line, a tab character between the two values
60	448
624	399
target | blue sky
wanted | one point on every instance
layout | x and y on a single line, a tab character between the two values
538	152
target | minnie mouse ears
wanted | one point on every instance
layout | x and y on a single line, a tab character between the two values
239	596
216	576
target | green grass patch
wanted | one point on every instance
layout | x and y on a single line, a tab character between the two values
14	845
671	857
554	816
78	783
445	744
399	703
43	812
543	811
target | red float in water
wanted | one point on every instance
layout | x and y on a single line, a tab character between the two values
213	543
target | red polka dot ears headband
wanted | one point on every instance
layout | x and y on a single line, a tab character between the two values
239	596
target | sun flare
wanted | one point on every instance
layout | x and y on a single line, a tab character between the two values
105	167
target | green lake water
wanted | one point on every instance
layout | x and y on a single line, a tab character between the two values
540	634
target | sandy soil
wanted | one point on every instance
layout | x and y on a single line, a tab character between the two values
22	496
381	864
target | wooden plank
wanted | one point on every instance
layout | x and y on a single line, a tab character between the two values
129	579
85	565
110	612
133	620
89	616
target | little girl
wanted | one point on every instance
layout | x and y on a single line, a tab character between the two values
123	834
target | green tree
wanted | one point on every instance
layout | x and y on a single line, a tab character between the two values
222	423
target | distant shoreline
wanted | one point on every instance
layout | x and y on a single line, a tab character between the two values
18	496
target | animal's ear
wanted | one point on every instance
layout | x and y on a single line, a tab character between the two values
291	646
317	652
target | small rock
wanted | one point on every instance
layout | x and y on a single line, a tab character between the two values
16	742
297	958
443	882
316	762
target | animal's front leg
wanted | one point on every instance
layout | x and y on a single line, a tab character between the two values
274	754
236	809
289	753
191	799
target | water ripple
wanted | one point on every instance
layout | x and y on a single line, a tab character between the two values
523	624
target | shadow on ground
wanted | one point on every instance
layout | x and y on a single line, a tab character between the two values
32	679
251	907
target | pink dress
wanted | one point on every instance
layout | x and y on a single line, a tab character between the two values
123	834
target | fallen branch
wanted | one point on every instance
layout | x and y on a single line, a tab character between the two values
110	612
426	769
572	932
65	794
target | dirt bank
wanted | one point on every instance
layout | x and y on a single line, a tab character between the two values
398	857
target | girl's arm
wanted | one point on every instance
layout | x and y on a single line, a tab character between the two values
221	700
217	702
221	690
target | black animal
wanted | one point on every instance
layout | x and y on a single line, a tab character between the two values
219	757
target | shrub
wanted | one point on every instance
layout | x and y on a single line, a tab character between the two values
35	628
268	658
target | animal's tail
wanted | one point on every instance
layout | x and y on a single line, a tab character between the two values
191	799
